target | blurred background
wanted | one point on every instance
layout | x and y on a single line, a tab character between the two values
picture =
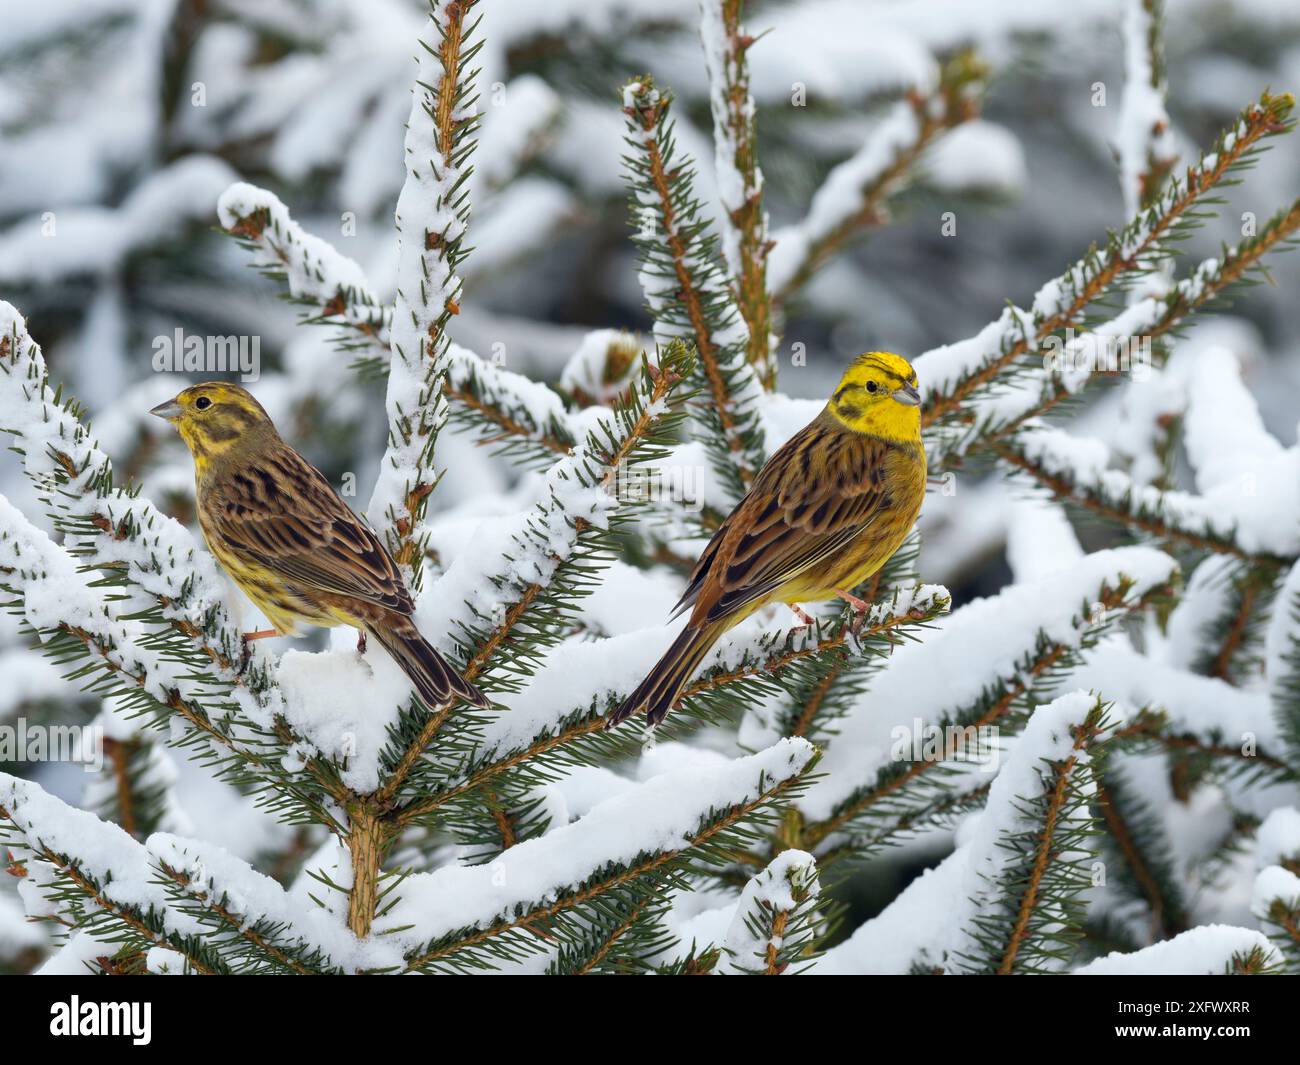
121	122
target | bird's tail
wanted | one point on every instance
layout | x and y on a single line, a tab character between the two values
657	693
434	677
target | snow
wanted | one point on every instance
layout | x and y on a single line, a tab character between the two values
314	270
1204	951
977	155
1275	883
96	239
1144	130
1278	837
841	195
658	816
1195	704
1048	739
342	703
980	644
771	892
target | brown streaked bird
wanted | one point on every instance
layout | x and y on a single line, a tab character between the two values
825	512
290	542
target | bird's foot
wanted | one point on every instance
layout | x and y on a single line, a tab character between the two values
361	642
861	608
805	619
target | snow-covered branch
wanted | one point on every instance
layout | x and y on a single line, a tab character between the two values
855	194
745	243
433	216
686	287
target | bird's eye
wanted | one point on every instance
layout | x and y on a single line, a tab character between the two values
871	386
203	403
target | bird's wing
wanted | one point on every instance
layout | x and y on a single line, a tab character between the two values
813	497
281	513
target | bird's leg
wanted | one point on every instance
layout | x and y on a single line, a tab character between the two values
260	634
361	641
803	617
860	608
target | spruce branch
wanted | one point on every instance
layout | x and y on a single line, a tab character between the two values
686	287
504	409
1070	470
433	215
1145	142
95	875
955	375
331	287
1032	843
1283	664
991	419
777	921
583	885
908	793
854	197
745	242
1136	837
580	736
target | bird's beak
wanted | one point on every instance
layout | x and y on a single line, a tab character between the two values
167	411
908	396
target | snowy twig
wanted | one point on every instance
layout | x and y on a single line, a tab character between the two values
1145	140
954	375
433	215
686	287
317	276
745	242
854	196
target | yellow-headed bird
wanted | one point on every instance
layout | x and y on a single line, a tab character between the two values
824	513
287	539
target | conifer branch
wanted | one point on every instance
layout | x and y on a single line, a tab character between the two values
1171	517
777	921
854	197
1139	840
898	796
517	932
1145	140
960	373
1047	843
331	287
433	215
1042	390
745	242
686	288
763	667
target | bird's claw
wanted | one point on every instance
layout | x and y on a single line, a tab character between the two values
860	609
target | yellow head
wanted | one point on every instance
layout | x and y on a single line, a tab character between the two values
215	417
877	395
